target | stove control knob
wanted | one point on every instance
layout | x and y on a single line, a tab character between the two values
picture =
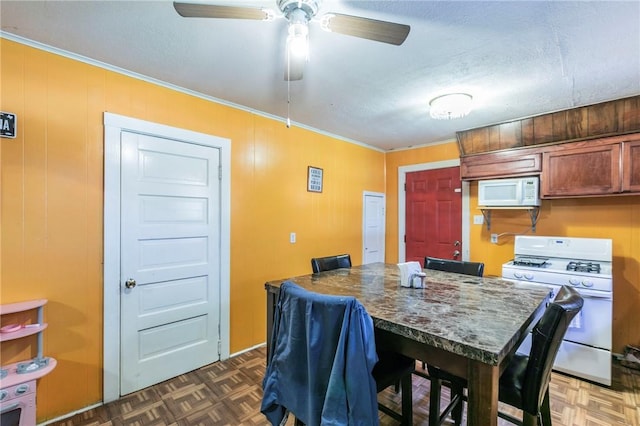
528	276
517	275
3	394
587	283
22	389
574	281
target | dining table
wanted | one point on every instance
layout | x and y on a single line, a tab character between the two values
466	325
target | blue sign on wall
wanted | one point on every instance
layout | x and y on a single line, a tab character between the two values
8	125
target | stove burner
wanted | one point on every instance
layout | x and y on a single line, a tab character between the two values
590	267
529	261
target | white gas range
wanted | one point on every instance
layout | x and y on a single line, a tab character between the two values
585	264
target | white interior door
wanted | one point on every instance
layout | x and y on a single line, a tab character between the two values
170	258
373	225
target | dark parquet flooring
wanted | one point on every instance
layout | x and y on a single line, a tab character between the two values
229	393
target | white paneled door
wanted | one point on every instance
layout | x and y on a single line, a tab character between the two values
373	231
170	259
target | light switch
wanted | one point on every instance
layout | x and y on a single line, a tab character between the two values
478	219
292	237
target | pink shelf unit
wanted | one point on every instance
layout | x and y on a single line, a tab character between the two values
11	376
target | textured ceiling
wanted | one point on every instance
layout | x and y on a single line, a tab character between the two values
517	58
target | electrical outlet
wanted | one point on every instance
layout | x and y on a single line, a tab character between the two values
292	237
494	238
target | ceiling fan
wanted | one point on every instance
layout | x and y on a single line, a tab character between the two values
299	13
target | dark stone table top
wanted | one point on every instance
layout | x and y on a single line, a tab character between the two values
478	318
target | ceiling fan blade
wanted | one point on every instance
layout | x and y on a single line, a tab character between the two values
370	29
198	10
293	70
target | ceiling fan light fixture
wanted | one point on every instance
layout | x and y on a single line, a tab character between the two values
298	39
450	106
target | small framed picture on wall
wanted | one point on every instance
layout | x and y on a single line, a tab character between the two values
314	179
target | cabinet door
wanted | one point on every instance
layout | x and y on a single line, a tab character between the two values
631	166
591	170
500	164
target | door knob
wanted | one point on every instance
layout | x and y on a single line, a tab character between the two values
456	253
130	283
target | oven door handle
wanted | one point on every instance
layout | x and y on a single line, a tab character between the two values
606	295
10	407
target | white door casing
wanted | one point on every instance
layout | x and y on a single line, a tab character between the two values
402	179
183	293
373	227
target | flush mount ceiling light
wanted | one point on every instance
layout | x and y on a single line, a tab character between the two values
450	106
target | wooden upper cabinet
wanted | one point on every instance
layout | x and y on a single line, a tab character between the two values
588	169
501	164
606	166
592	150
631	166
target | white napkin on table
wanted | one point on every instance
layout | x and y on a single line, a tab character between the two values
411	274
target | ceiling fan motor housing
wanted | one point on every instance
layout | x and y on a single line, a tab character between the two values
309	7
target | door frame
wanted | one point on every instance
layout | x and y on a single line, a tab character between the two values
366	194
402	199
113	126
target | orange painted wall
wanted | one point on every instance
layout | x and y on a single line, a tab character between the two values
52	191
617	218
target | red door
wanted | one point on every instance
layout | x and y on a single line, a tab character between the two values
433	214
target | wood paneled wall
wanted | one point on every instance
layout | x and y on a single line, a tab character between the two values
604	119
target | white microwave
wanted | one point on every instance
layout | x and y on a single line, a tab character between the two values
516	192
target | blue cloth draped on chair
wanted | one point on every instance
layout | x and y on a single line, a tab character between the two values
323	353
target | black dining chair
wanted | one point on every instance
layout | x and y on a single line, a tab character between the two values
323	365
328	263
457	266
525	382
